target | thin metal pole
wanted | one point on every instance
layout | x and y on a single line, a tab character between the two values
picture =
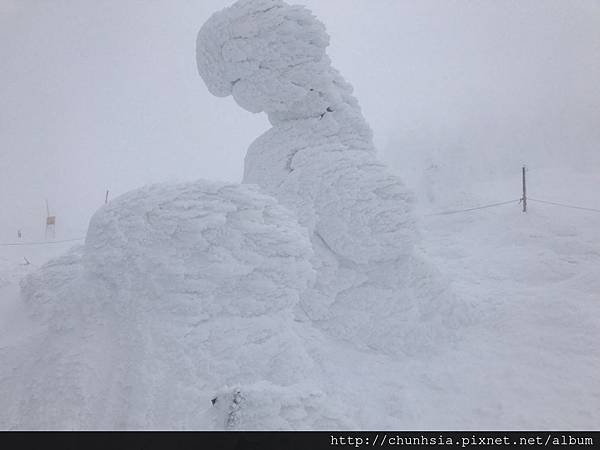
524	199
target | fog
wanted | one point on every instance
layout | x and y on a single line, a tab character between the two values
99	95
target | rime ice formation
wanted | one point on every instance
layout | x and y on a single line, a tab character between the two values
319	160
192	305
182	294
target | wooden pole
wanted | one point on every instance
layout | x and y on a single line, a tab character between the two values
106	198
524	198
50	223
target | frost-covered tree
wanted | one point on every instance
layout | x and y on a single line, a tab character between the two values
180	293
181	310
319	160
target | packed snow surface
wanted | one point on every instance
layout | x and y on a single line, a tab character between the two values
319	296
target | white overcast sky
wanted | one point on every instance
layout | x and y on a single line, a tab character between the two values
104	94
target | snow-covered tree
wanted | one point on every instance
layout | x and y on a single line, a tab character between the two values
178	292
318	159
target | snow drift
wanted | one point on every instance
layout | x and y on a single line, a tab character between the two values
373	288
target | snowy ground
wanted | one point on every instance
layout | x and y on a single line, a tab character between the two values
531	360
14	323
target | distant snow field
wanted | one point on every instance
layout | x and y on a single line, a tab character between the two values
321	293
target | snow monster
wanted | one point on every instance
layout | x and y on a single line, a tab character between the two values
373	288
182	294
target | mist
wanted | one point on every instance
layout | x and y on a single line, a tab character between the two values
304	286
105	95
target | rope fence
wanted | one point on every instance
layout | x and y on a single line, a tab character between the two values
42	242
520	200
456	211
443	213
523	200
563	205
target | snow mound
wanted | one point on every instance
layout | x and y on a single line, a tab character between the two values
373	287
217	248
179	291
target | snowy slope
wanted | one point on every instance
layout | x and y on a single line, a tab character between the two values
532	359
